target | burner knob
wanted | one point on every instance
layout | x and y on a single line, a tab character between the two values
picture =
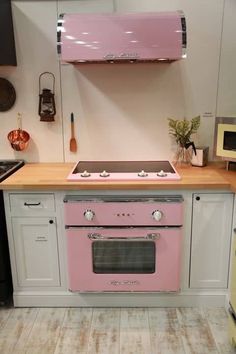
104	174
161	174
142	174
89	214
157	215
85	174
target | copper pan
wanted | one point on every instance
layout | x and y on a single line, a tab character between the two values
18	138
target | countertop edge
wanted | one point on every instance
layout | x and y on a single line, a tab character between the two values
106	186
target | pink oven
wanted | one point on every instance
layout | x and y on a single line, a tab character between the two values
123	243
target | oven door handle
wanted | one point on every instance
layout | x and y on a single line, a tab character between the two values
152	236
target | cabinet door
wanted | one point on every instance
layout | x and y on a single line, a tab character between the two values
211	234
233	275
35	241
233	267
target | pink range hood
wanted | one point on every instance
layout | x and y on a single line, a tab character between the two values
112	37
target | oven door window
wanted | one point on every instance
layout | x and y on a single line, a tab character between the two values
124	257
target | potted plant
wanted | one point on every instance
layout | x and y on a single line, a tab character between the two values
181	131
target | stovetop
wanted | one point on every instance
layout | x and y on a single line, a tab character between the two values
123	171
7	167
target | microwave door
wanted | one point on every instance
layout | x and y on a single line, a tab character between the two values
229	142
226	141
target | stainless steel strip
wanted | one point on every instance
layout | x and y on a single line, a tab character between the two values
117	199
122	227
149	237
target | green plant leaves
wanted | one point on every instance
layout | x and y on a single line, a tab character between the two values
182	130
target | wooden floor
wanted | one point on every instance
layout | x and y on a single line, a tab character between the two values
113	331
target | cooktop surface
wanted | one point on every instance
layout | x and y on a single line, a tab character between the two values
7	167
123	170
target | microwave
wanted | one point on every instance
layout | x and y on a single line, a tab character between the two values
225	138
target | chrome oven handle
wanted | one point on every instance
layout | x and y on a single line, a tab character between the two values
152	236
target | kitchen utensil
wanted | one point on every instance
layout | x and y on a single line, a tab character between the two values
7	95
19	139
73	144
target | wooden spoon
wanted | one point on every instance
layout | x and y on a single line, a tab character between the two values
73	144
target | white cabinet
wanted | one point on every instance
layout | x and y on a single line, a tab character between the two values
211	237
35	241
232	292
36	235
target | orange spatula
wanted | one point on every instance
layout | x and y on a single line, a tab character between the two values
73	144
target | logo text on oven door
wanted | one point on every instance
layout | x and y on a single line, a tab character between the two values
124	282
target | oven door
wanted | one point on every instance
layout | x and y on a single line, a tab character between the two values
123	259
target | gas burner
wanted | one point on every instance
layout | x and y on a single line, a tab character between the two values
161	173
104	174
85	174
123	171
142	174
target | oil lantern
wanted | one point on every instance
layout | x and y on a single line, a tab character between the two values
47	108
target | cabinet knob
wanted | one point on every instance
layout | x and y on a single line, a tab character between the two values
235	230
198	198
51	221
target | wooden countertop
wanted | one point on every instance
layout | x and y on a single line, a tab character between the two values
52	176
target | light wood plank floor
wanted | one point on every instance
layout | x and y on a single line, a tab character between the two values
114	331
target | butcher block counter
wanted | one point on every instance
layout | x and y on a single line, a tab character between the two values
53	176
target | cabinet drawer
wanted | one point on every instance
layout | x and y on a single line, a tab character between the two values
32	204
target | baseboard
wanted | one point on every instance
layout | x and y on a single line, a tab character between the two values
227	302
67	299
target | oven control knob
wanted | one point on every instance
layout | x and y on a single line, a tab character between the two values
89	215
157	215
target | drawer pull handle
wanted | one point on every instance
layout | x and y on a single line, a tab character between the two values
32	204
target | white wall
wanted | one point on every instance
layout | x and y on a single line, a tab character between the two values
226	103
120	111
34	25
